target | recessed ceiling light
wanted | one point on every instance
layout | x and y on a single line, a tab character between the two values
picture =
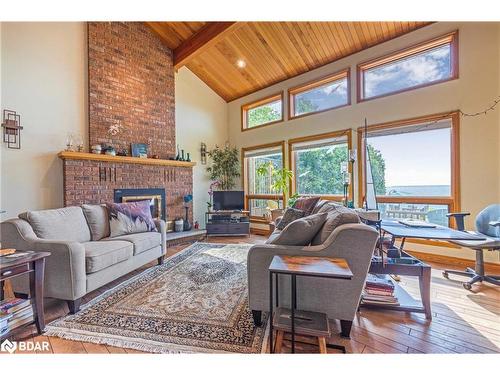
241	63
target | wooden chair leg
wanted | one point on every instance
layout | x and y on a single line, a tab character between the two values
279	341
322	345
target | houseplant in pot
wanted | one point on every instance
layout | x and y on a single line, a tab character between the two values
225	166
280	179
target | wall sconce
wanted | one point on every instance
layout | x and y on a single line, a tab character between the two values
12	129
203	151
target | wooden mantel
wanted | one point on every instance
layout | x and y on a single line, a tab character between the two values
123	159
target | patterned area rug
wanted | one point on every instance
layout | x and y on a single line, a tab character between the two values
196	302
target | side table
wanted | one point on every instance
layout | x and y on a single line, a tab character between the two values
298	321
34	265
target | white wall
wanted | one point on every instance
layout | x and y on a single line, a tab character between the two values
1	109
43	69
475	89
200	116
44	78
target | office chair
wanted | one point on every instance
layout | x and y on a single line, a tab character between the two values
487	225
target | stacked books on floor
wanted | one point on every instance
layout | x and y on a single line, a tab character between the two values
379	290
14	312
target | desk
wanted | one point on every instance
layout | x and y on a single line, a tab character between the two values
398	230
407	265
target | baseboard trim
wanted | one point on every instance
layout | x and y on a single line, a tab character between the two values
453	261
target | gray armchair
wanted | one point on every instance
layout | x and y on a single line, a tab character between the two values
337	298
487	225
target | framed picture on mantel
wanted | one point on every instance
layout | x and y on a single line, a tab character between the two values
139	150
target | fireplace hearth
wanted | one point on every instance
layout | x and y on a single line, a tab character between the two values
156	196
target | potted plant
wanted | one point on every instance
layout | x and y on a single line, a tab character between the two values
280	181
225	166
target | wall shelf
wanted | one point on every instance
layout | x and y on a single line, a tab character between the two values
71	155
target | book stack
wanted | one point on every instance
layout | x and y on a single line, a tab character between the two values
379	290
14	313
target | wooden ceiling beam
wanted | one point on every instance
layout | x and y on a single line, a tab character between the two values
203	39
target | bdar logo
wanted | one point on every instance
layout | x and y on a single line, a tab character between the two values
8	346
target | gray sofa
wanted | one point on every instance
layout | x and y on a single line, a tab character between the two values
83	256
339	299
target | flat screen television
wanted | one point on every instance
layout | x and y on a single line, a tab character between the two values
229	200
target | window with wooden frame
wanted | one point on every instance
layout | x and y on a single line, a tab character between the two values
317	161
320	95
428	63
415	167
259	194
266	111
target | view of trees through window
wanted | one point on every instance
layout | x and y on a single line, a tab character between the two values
259	184
264	114
413	163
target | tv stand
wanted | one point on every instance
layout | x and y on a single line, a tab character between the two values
228	223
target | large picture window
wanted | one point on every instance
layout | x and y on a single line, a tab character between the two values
426	64
258	188
320	95
414	167
262	112
316	162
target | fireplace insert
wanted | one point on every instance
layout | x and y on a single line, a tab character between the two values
156	197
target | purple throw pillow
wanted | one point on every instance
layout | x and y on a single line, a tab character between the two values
130	217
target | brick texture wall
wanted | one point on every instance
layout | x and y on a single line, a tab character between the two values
88	181
131	83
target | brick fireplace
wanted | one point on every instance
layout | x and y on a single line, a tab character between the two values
92	178
131	85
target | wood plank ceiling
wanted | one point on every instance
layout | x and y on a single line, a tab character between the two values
272	51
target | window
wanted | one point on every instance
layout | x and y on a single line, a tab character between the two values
316	163
321	95
262	112
414	167
426	64
259	193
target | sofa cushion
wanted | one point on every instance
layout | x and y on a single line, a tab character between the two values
66	224
336	216
301	231
329	207
318	206
291	214
98	220
103	254
130	217
141	241
306	204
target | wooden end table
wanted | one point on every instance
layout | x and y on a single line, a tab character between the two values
308	323
34	265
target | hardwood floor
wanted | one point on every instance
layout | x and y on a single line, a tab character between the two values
463	321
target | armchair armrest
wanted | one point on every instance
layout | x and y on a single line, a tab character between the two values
459	219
